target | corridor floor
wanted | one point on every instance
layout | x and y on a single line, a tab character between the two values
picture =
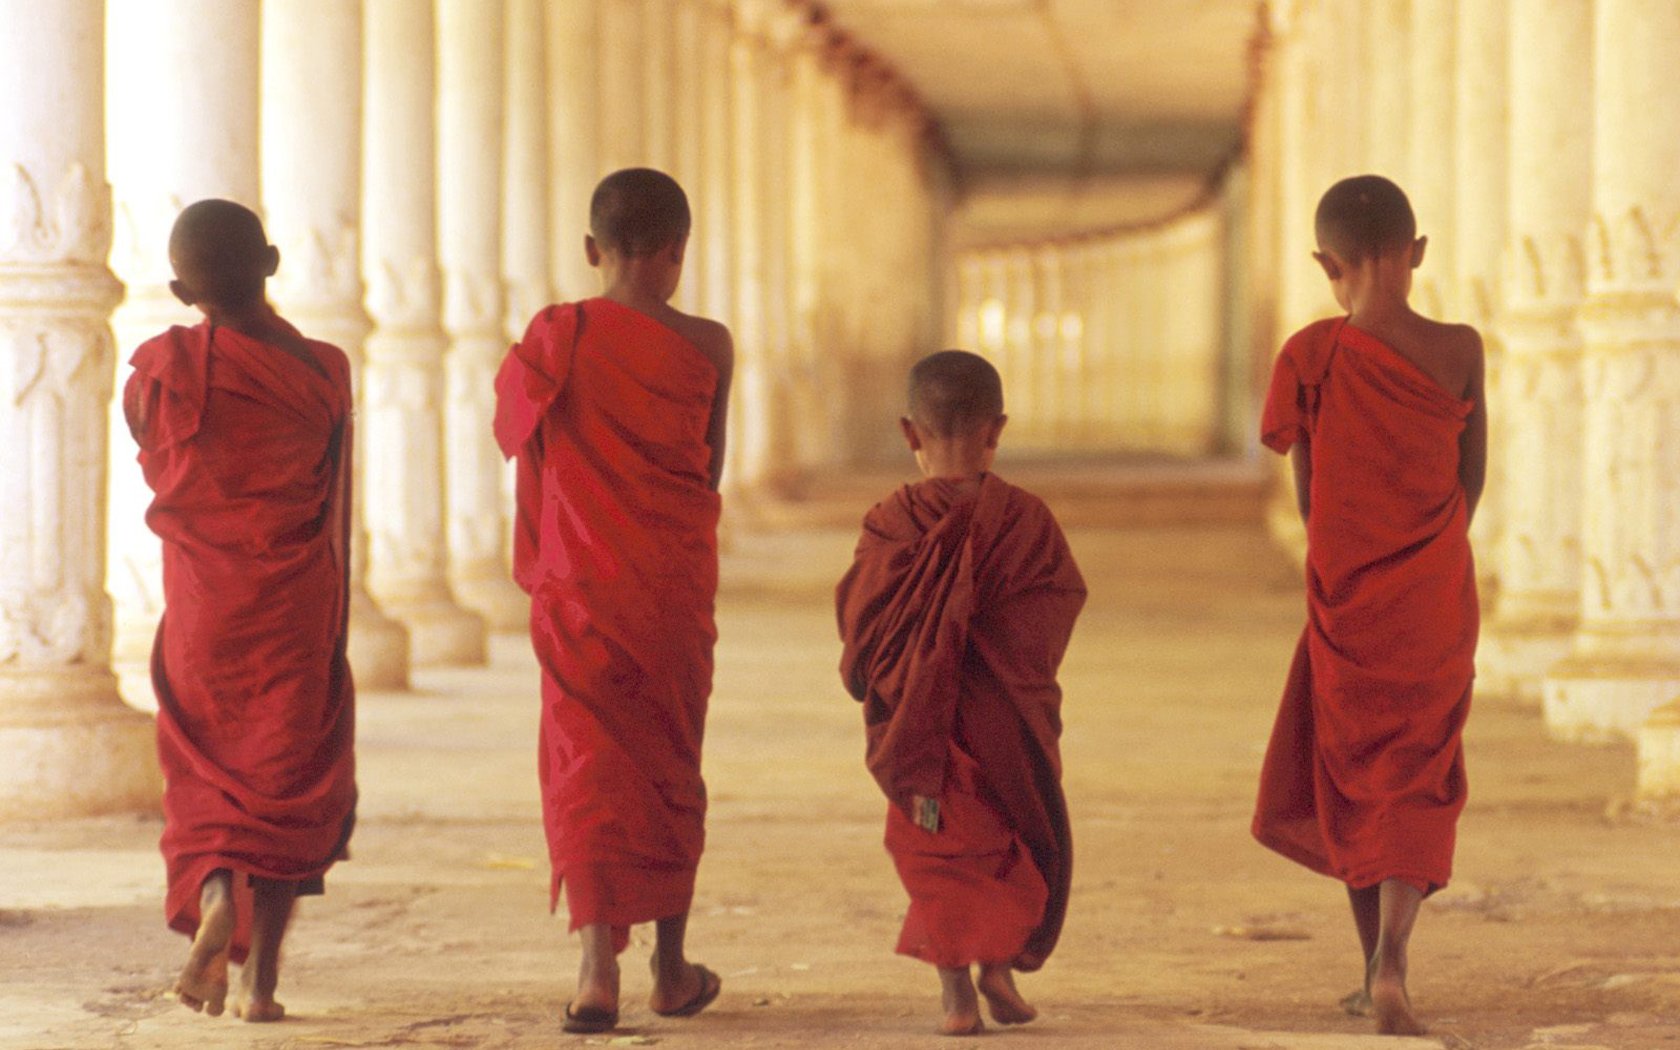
1562	929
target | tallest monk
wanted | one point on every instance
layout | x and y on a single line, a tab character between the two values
615	410
244	434
1383	414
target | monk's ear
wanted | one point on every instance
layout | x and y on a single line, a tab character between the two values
911	437
591	250
270	261
1332	268
678	249
1419	246
995	431
181	292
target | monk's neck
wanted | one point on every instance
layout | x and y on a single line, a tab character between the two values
256	319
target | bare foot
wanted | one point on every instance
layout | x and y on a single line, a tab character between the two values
255	1008
203	984
997	984
962	1006
1356	1003
1390	1004
597	987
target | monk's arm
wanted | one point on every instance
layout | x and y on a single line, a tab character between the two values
1300	458
1472	443
722	354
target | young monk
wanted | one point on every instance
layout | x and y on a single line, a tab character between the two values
954	617
244	434
615	409
1383	415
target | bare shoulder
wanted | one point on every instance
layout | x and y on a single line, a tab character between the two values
1460	340
708	336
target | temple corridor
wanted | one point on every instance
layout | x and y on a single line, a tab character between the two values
1558	931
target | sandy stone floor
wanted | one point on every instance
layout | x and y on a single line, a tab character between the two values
1562	930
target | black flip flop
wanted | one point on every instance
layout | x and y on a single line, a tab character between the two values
591	1020
710	985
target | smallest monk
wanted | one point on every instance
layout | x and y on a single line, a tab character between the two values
244	434
954	618
1382	412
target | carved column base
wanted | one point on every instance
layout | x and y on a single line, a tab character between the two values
1659	754
1596	701
1515	656
378	646
440	632
496	598
73	748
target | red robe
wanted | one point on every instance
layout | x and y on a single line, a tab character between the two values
954	617
247	450
607	411
1364	777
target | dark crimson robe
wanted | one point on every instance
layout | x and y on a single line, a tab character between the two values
954	618
606	411
1364	777
247	450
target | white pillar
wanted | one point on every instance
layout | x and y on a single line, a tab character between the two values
751	453
1431	172
1538	456
623	83
171	140
658	117
714	198
403	401
311	184
525	223
574	119
1388	32
688	75
470	135
71	747
1626	657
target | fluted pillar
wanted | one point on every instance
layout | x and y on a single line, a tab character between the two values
1432	171
623	89
807	193
751	452
775	86
171	140
1626	657
714	198
688	77
1537	458
1476	170
525	165
402	413
1388	32
71	747
311	184
658	83
469	172
573	84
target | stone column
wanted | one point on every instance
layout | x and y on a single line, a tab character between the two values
714	201
403	389
658	83
1626	657
623	84
751	438
171	140
1388	32
574	119
688	76
1537	458
525	153
470	137
311	180
1432	171
71	747
1477	171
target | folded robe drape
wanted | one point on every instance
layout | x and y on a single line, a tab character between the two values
247	451
954	617
606	412
1364	776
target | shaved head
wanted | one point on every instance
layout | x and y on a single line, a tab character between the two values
955	392
220	253
638	211
1364	216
